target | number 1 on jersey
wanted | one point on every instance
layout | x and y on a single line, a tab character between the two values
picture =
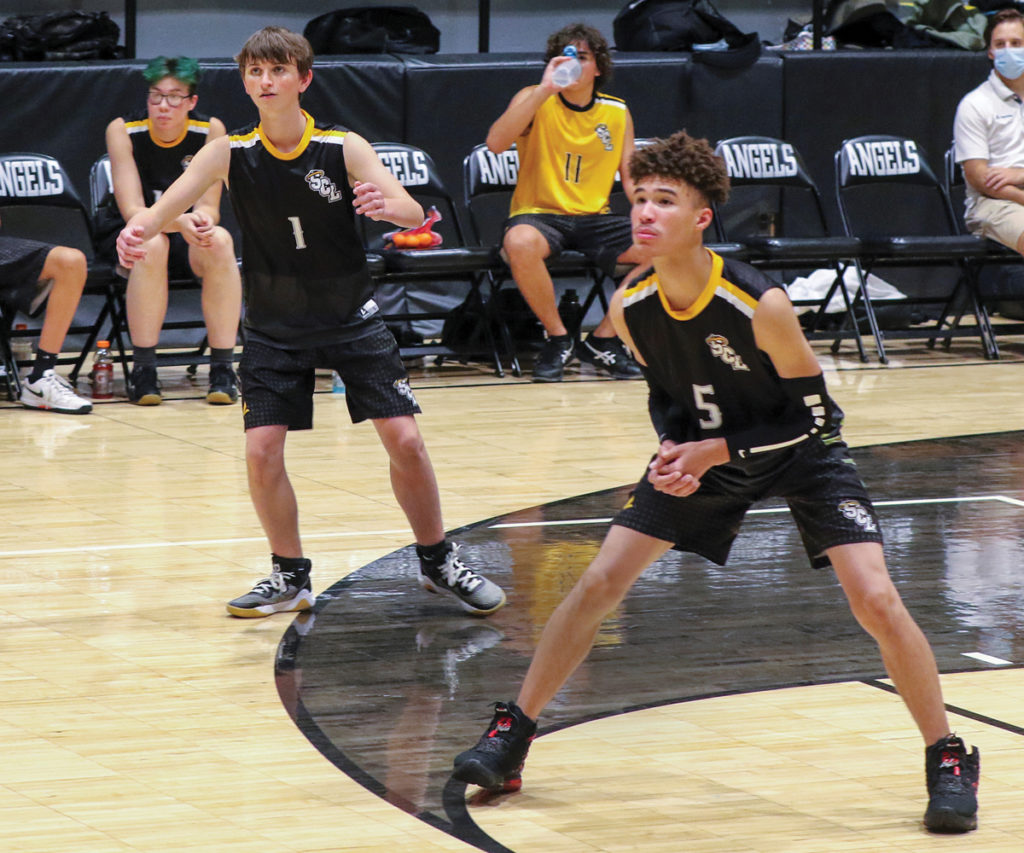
300	239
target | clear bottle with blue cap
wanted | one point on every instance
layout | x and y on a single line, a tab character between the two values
567	73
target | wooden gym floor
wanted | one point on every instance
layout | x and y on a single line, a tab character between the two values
733	709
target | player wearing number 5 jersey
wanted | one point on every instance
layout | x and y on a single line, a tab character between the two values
296	186
741	410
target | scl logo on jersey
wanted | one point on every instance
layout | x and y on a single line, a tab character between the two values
858	513
720	348
605	136
320	183
185	161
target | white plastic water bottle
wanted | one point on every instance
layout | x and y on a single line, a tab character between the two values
567	73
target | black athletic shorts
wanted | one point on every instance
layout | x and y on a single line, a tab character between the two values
602	237
21	264
830	504
277	384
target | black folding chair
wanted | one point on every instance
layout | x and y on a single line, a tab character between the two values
776	211
893	201
38	202
470	323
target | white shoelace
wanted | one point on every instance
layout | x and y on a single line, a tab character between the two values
455	573
56	389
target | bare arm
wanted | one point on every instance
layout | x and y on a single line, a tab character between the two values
778	333
1003	182
628	147
379	195
210	165
124	174
209	202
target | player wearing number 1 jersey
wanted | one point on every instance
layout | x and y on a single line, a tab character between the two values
296	186
739	403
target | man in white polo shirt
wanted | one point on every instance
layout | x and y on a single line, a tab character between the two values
988	135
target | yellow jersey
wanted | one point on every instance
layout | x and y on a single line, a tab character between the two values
569	156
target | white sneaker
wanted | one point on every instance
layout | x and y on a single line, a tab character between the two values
54	393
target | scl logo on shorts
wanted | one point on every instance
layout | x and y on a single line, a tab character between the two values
858	513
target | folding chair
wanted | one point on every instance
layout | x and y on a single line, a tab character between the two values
892	200
39	202
488	181
789	231
472	322
996	254
101	197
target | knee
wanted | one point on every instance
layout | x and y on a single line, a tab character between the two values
263	458
600	590
407	448
523	244
879	609
67	266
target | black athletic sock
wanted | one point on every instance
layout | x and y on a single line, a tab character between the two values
44	361
144	356
433	555
222	356
294	566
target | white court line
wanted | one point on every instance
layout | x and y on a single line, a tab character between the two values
773	510
136	546
984	658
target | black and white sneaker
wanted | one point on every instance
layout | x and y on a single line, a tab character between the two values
952	776
280	592
554	355
609	355
478	595
223	385
496	762
144	387
53	393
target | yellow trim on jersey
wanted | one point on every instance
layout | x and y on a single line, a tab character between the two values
297	150
716	286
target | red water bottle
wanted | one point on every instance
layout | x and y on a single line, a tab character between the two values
102	372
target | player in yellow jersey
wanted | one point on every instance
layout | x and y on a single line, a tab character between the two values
571	142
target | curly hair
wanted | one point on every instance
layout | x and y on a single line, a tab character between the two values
276	44
184	69
685	159
574	33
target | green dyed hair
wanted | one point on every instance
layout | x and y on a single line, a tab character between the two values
181	68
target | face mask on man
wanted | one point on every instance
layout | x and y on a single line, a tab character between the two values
1009	61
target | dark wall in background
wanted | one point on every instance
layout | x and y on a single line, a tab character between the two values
445	104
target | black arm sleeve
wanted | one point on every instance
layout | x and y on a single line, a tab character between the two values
813	413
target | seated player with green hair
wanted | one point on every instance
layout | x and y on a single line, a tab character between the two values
148	150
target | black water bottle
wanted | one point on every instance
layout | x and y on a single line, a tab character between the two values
571	312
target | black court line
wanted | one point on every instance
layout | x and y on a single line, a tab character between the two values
390	683
955	709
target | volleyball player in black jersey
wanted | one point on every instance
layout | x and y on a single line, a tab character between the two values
741	410
296	186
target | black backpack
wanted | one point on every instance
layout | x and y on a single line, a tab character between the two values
61	35
681	25
373	29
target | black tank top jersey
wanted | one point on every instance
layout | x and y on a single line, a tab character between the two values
160	165
705	358
303	263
